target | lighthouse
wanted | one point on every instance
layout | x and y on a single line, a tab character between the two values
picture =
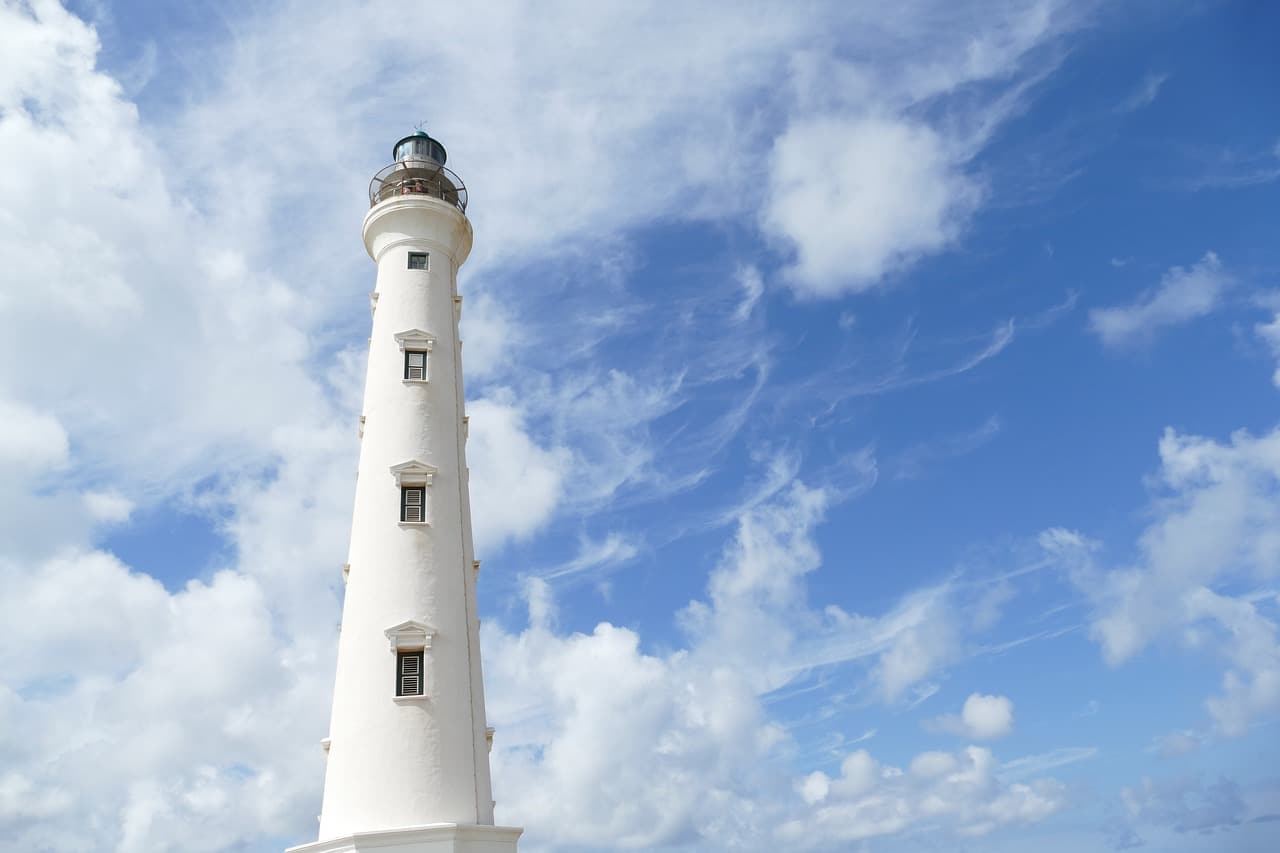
407	756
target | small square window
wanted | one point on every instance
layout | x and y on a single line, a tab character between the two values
417	260
409	674
415	365
412	500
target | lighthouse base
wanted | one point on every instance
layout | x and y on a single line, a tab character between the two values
435	838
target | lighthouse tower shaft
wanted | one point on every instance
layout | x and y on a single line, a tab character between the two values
407	764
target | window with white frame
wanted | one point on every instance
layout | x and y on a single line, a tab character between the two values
413	504
409	673
417	260
416	346
413	479
415	365
410	642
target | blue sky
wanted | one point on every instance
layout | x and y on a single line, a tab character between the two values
873	428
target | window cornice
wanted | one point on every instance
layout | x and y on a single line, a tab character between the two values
415	340
410	636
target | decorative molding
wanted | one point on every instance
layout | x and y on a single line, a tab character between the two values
410	636
475	567
413	473
361	427
416	340
373	302
346	572
488	737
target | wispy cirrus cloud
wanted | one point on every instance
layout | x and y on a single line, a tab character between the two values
1183	294
1145	94
913	461
1232	169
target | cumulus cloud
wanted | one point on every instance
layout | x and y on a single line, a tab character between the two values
957	789
194	704
981	718
30	441
858	198
599	738
1184	294
517	483
1213	524
214	306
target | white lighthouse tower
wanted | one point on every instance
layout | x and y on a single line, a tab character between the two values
407	757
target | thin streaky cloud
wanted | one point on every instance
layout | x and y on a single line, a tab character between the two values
1033	765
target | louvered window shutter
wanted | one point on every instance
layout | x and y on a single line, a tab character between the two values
411	504
409	674
415	365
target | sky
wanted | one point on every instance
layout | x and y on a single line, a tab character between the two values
873	428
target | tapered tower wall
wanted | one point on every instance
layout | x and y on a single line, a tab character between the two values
397	762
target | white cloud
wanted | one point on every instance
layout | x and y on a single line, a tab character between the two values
30	441
1176	743
1270	335
1182	295
111	507
1185	804
491	334
185	707
595	556
914	461
599	741
867	177
860	198
752	284
957	789
981	718
1213	524
1035	765
1144	94
516	484
199	336
211	287
923	636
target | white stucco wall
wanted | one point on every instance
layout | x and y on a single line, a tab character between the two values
410	762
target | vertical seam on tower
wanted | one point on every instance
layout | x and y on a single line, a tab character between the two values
464	506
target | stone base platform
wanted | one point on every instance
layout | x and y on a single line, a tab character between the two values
435	838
